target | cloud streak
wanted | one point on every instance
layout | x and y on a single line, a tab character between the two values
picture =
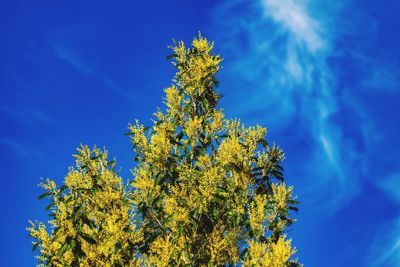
21	150
28	116
72	58
386	249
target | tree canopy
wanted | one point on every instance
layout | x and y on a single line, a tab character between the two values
206	190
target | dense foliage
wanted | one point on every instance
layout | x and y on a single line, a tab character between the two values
206	190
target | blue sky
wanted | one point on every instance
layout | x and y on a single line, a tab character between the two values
323	76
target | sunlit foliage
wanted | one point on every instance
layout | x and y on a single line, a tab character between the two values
206	191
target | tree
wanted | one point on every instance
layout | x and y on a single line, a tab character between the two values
206	190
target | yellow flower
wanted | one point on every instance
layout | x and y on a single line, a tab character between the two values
173	100
272	255
162	249
281	195
231	151
257	214
193	127
139	138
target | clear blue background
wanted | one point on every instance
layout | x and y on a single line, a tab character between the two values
323	76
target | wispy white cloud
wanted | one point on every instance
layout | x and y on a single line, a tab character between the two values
391	184
386	248
20	149
28	116
72	58
382	78
293	16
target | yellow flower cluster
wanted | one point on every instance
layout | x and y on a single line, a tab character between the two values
216	122
139	136
173	99
251	135
223	246
159	148
177	213
281	194
75	180
269	255
231	151
162	250
202	66
146	189
257	214
193	127
91	215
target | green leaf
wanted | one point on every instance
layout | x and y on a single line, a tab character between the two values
263	142
293	208
88	239
46	194
179	136
35	246
50	205
62	188
62	250
171	56
89	222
